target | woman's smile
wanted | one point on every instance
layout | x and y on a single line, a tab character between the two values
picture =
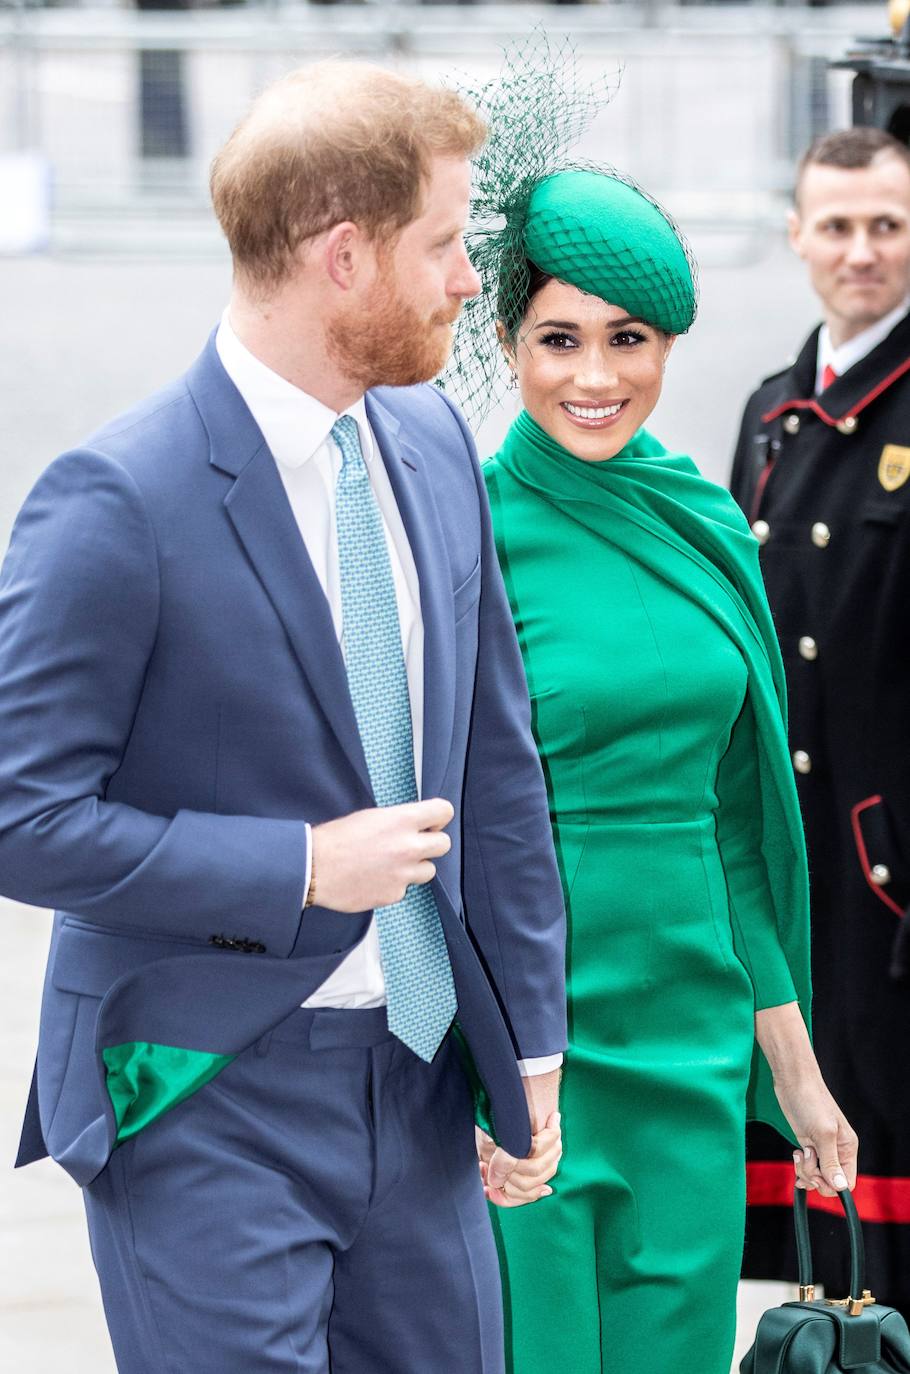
589	416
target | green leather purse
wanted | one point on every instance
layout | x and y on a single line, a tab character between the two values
828	1335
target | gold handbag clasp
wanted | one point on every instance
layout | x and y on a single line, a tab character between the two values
853	1305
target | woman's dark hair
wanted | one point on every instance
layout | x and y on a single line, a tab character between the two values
518	286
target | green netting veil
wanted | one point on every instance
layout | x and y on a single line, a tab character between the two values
585	224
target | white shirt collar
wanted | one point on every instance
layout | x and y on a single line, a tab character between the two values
851	352
294	424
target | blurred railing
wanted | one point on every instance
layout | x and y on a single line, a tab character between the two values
127	108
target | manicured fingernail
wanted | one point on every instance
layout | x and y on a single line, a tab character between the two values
840	1181
559	1118
546	1192
807	1153
797	1157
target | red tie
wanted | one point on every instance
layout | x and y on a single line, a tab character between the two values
828	376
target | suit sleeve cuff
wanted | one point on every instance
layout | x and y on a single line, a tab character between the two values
530	1068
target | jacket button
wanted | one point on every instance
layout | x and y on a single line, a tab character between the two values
821	535
848	425
791	424
808	648
880	875
762	531
801	761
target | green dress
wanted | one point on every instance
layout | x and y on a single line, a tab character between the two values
656	698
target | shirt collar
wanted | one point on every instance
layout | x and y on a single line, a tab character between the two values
294	424
855	349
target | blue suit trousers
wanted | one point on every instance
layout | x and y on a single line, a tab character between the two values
316	1207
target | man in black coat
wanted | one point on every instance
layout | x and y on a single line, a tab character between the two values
822	470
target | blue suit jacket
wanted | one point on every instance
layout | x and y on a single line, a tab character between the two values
174	707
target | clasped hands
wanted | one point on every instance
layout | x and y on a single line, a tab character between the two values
511	1182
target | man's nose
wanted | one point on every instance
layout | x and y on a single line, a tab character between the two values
861	250
465	282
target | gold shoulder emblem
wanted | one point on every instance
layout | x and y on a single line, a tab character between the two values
894	466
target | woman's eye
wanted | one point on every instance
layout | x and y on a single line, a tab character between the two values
558	340
628	338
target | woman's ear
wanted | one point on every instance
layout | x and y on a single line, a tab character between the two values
669	341
507	346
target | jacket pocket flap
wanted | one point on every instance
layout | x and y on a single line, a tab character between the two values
89	961
878	852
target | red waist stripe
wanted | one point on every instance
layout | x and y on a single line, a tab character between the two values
770	1184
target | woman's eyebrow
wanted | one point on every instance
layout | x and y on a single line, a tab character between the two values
571	324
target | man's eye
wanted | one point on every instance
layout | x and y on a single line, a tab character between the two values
834	226
886	225
558	340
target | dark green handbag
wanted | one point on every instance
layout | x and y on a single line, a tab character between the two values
827	1335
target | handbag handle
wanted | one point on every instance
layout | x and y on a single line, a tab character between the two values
858	1294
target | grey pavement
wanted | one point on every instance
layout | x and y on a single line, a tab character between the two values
82	338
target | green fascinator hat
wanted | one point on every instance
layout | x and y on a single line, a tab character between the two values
531	207
602	235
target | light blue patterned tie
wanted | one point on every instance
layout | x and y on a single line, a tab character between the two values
415	963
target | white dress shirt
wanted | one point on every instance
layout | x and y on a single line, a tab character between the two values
850	353
297	429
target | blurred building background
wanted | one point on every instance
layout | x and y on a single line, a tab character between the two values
112	271
125	102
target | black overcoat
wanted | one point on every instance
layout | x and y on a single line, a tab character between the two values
825	482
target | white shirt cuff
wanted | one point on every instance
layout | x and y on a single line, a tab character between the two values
308	872
530	1068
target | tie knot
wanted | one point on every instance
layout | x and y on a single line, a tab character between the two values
344	432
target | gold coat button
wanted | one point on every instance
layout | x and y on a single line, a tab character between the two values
808	648
821	535
880	875
801	761
762	531
848	425
791	424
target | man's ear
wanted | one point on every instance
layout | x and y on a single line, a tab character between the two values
343	253
795	232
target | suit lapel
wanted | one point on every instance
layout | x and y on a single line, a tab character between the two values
259	510
414	496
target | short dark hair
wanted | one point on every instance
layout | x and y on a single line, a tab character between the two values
850	149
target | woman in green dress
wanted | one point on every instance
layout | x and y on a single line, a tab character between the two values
658	707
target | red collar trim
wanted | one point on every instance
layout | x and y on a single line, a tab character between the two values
813	405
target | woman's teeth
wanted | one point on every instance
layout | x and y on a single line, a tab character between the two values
593	412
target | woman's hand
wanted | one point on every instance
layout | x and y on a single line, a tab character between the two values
528	1179
827	1160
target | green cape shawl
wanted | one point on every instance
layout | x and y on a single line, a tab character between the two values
645	488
